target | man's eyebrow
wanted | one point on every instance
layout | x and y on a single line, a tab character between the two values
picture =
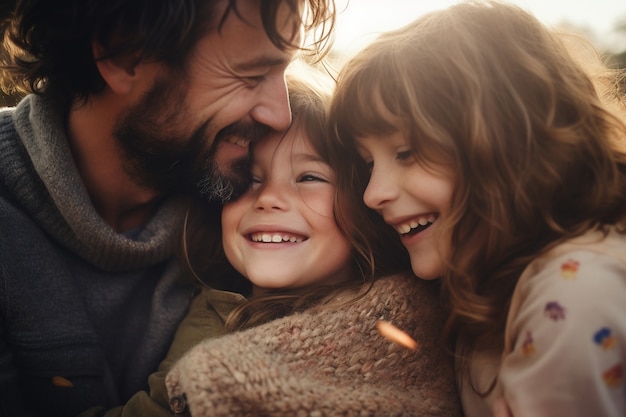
262	62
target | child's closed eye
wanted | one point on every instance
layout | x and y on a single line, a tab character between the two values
255	182
312	178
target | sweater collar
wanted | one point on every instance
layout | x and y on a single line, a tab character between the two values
65	211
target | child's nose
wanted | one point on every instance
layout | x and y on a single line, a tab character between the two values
271	197
379	191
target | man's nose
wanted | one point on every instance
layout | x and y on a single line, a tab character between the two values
273	108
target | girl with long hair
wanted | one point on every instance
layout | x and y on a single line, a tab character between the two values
494	157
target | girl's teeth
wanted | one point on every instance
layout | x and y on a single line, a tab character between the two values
414	224
274	238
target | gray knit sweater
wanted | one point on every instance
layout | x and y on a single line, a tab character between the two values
79	303
327	361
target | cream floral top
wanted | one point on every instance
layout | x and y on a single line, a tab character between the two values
565	338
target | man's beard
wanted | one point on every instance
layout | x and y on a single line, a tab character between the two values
222	185
160	153
217	186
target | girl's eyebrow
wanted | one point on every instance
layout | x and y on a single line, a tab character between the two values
308	157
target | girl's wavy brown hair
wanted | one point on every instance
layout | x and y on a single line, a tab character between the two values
485	88
376	248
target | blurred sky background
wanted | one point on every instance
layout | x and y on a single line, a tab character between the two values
602	21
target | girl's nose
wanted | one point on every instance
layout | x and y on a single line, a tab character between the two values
380	190
271	197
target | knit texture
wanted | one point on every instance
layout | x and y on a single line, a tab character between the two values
77	300
327	361
49	188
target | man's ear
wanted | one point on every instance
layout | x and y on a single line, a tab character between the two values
118	72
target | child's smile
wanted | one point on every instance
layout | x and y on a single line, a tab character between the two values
415	226
271	237
282	233
411	198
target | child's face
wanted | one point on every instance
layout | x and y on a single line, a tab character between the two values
410	198
281	233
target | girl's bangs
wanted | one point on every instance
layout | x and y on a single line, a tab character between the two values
363	109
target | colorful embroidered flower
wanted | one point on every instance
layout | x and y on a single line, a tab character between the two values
605	338
614	376
569	269
554	311
528	347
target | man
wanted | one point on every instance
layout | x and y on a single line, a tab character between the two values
138	104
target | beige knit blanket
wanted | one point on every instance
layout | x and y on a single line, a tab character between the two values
327	361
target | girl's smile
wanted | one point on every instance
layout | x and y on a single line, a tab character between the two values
415	225
270	237
281	233
411	198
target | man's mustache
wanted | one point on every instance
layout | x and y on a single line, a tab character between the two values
250	131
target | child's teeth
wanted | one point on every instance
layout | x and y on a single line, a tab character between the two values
413	224
274	238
